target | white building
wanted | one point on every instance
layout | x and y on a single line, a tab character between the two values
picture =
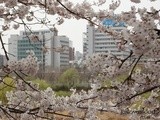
95	41
61	58
12	47
85	45
57	54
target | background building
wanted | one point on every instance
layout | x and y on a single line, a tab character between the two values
57	47
85	45
71	51
78	55
61	57
95	41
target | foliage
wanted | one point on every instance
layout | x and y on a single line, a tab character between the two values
5	87
9	85
65	87
62	86
70	77
63	93
42	84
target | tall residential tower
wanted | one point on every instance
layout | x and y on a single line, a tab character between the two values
95	41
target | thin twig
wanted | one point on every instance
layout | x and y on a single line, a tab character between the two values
130	74
7	114
86	99
131	52
4	49
25	81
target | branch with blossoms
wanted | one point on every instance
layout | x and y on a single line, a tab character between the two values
138	94
34	112
129	56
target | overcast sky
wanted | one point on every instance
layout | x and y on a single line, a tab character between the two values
74	28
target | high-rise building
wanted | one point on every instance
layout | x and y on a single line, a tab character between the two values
57	47
61	57
95	41
71	52
85	45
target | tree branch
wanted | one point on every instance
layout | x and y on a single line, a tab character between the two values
4	49
130	74
138	94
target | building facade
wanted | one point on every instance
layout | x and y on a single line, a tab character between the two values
71	52
85	45
50	59
95	41
61	58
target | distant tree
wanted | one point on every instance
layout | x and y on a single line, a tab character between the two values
70	77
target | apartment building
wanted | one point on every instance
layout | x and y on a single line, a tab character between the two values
95	41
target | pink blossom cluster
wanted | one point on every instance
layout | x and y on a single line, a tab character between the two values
28	65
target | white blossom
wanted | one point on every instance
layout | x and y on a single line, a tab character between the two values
16	26
28	65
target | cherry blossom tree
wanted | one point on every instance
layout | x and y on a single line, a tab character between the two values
137	96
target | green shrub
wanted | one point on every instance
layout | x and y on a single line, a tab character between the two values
63	93
82	86
42	84
8	85
69	78
66	87
58	87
